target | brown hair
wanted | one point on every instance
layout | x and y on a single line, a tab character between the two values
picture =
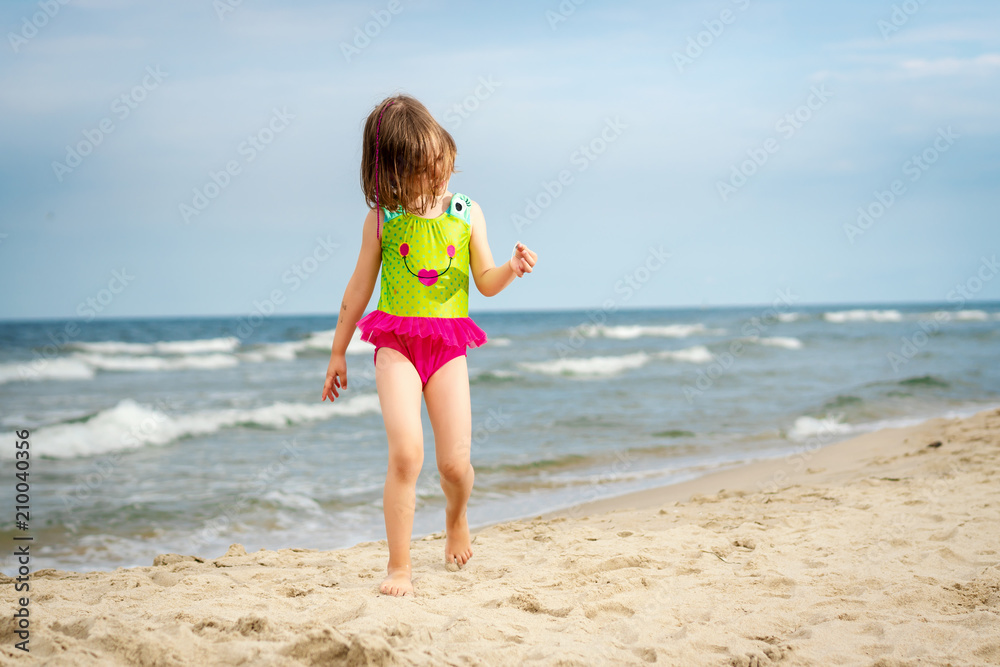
414	154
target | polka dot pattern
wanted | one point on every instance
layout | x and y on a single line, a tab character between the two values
438	245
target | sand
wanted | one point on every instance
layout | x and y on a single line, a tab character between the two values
881	550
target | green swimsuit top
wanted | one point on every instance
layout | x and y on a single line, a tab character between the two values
425	276
425	262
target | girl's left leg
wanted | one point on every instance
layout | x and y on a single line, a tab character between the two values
446	395
398	388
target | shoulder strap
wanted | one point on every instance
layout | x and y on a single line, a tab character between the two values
389	215
386	216
461	208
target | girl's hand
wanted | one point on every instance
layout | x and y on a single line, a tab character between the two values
522	260
336	377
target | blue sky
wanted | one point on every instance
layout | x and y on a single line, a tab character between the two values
833	104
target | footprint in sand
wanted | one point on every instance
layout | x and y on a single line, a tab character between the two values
608	609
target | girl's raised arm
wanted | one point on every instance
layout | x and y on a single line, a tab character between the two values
356	296
491	279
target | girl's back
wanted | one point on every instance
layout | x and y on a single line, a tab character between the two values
425	276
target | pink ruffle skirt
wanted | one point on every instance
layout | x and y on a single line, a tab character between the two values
451	330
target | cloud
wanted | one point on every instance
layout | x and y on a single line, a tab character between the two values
980	31
982	65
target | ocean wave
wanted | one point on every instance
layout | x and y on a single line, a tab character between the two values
188	355
949	315
594	366
698	354
789	317
202	346
498	341
84	365
843	401
613	365
323	341
632	331
272	352
497	375
971	315
807	427
207	354
131	425
929	381
842	316
317	341
120	363
786	342
673	433
556	463
295	501
46	369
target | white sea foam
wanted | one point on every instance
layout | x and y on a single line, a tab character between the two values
323	341
807	427
786	342
355	346
84	365
317	341
284	351
202	346
499	341
973	315
131	425
207	354
46	369
949	315
108	362
295	501
588	366
698	354
272	352
631	331
608	365
788	317
842	316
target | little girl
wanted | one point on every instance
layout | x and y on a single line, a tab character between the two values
426	240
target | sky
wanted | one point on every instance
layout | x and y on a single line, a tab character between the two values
199	158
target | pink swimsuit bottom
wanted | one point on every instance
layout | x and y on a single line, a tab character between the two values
426	354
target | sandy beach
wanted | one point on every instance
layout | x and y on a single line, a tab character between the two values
881	550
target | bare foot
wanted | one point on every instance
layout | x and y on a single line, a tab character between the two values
397	583
458	547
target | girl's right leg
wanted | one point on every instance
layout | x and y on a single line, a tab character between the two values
450	410
399	390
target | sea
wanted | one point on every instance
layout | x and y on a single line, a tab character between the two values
151	436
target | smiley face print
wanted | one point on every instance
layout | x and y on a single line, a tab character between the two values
427	276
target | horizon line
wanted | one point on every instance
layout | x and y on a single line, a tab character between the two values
820	304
